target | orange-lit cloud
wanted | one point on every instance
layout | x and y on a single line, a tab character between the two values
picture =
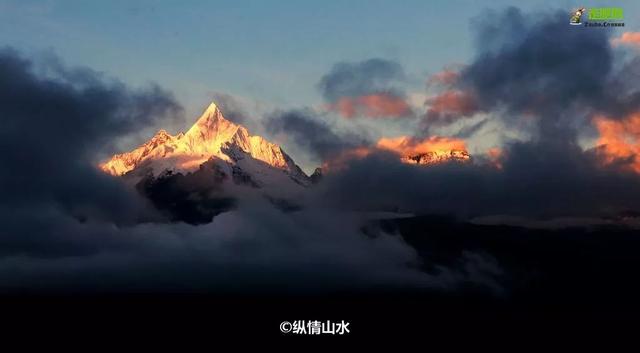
619	140
379	105
408	146
341	160
451	105
627	38
445	77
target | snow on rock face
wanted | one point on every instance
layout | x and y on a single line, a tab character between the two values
124	162
436	157
211	137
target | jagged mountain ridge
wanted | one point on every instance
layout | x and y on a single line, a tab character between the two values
212	137
435	157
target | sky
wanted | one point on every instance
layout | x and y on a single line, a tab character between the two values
271	51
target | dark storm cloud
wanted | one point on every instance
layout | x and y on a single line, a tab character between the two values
536	180
361	78
55	121
309	131
539	64
536	66
257	249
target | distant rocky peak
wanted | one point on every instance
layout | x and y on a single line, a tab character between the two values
435	157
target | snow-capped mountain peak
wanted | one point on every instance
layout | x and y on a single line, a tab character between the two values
211	128
211	137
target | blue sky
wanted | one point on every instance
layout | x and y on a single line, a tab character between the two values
273	51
